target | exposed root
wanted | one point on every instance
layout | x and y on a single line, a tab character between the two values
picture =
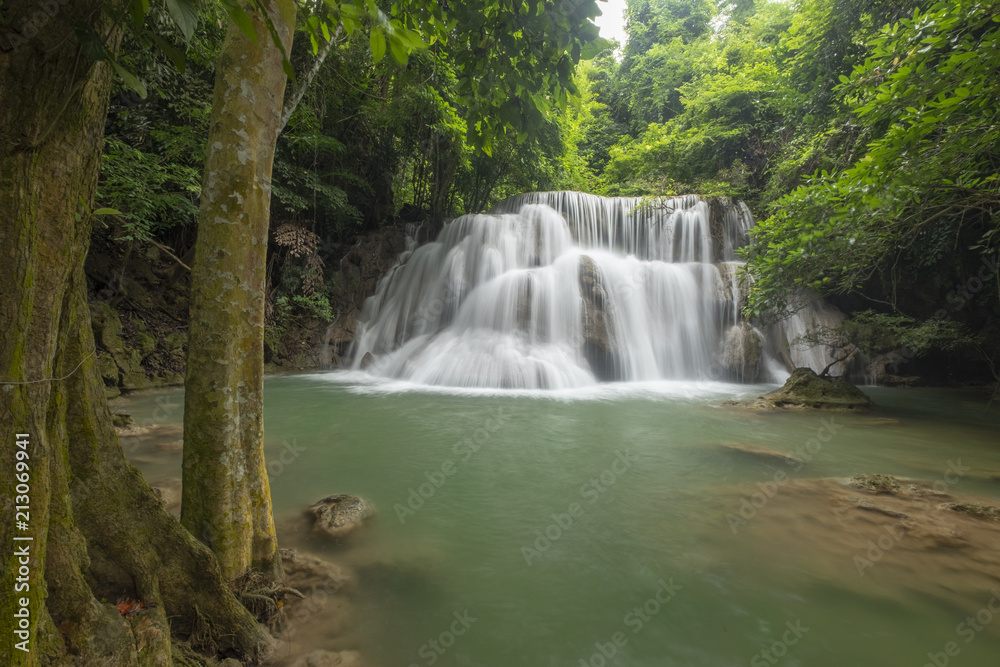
265	599
203	634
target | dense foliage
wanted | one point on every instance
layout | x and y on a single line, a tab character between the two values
863	133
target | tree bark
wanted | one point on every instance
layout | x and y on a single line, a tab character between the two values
97	530
226	497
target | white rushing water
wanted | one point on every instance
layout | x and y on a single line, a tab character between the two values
557	290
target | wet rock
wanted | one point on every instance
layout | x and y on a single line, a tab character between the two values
367	360
760	453
122	420
874	483
741	354
977	510
329	659
597	333
339	515
805	389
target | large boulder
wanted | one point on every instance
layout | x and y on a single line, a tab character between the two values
339	515
597	334
805	389
741	353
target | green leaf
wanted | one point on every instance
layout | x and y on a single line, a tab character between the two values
351	11
185	15
592	49
131	80
138	9
107	211
90	41
176	55
377	41
399	52
240	18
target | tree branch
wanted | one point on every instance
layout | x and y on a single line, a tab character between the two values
306	79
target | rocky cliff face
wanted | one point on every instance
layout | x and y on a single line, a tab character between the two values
139	310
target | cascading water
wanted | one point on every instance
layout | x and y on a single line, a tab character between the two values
563	289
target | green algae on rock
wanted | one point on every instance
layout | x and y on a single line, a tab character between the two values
805	389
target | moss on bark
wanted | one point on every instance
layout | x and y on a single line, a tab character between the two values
226	498
98	530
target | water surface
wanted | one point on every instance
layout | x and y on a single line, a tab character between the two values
555	519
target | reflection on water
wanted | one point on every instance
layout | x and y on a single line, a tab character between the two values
469	483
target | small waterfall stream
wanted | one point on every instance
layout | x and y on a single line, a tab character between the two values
556	290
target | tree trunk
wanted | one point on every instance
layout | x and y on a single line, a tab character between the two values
226	497
97	530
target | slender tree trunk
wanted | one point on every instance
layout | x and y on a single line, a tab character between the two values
97	530
226	497
305	79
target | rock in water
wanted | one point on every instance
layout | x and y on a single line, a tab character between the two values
805	389
874	483
337	516
742	353
597	332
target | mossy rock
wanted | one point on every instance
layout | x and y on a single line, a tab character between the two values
108	369
874	483
107	328
145	344
175	342
978	510
122	420
805	389
339	515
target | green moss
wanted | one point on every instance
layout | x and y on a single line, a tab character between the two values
121	420
145	344
874	483
977	510
805	389
175	342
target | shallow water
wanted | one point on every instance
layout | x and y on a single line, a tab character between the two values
633	486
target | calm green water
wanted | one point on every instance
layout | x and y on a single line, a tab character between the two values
639	473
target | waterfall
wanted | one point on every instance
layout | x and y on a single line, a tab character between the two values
556	290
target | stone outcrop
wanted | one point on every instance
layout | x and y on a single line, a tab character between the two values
805	389
340	515
742	353
597	332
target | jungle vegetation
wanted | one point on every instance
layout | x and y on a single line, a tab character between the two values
863	134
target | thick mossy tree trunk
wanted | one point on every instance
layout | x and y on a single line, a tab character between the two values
98	533
226	498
